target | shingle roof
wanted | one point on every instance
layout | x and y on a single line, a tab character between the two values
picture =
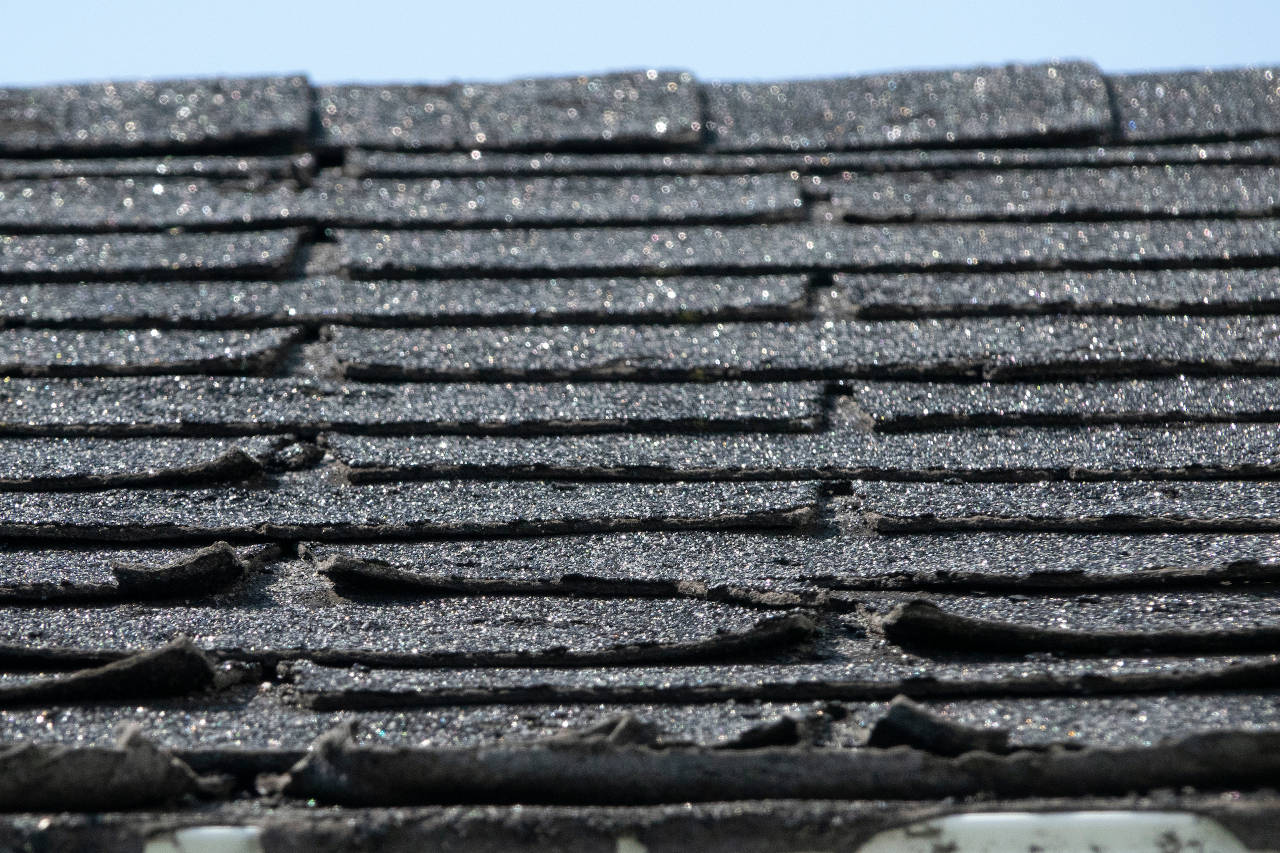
605	443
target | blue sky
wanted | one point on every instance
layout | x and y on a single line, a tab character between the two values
57	40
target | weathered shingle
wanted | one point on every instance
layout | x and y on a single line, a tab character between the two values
651	420
308	504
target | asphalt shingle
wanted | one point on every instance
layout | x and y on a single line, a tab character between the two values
66	257
334	300
1067	194
170	115
1018	453
182	405
1219	104
37	352
807	248
575	200
1039	347
87	205
1064	101
307	504
1180	291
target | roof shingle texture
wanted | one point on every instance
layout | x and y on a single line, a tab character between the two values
630	440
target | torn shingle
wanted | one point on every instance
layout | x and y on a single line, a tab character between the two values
86	205
1175	105
861	671
337	772
477	631
1068	194
175	115
1062	102
31	575
174	669
65	257
711	564
1199	622
331	300
35	352
306	504
1191	291
576	200
133	773
940	405
160	405
934	348
265	725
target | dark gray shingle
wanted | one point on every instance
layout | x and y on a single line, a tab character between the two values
168	115
1010	104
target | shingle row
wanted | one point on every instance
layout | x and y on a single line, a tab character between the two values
1061	102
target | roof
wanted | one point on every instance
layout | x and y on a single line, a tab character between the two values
631	459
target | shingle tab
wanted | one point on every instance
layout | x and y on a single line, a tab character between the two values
1187	291
1146	506
49	573
1086	453
576	200
1066	194
799	248
931	405
700	564
161	405
66	257
640	109
441	631
266	722
643	109
1196	621
307	504
83	205
412	302
863	671
996	348
1220	104
35	352
54	463
152	116
1065	101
